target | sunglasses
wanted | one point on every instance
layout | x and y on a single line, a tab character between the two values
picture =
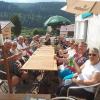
65	52
92	55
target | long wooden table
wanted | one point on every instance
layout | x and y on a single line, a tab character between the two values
42	59
24	96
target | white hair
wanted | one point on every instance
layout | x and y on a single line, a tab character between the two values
95	50
8	41
20	37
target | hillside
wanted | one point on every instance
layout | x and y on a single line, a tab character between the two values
33	14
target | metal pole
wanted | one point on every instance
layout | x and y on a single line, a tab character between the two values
6	65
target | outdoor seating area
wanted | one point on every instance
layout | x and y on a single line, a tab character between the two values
50	68
63	63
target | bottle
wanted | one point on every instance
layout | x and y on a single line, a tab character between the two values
71	63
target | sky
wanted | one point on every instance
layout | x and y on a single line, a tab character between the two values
32	1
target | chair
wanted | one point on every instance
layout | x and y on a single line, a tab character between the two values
62	98
97	90
3	82
36	84
3	75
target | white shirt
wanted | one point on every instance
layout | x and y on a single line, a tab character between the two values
88	71
20	47
14	51
71	52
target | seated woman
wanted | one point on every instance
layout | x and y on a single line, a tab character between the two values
65	70
88	74
59	57
28	47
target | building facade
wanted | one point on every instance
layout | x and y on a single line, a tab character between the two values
6	28
89	30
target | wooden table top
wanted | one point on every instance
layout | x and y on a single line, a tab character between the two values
23	96
42	59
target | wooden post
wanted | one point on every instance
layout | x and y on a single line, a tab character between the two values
6	64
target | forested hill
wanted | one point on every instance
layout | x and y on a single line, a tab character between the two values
33	14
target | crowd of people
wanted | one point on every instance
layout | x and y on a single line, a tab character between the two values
78	65
18	52
76	62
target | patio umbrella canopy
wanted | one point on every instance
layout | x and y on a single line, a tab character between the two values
57	20
82	6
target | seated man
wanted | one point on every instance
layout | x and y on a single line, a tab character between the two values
35	43
47	39
80	57
22	47
7	46
15	71
88	74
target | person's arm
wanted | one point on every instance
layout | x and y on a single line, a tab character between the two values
1	61
57	58
13	57
22	48
94	79
77	67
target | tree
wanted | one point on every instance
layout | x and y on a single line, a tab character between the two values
39	31
35	31
16	30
